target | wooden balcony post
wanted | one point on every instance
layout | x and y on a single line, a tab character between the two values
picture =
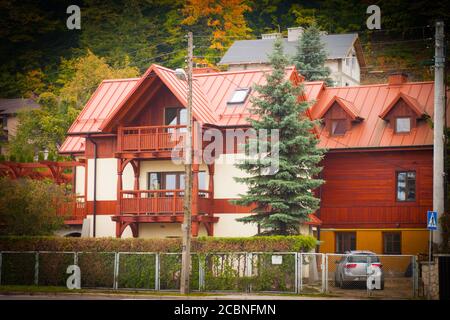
119	186
195	190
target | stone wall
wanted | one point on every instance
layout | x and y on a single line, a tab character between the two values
434	278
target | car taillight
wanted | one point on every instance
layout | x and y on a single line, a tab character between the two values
350	265
379	265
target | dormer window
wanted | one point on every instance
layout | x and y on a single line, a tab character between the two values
239	96
338	127
402	125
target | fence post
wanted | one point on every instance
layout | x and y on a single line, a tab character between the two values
201	273
415	268
75	258
1	256
116	270
157	272
301	272
296	271
249	260
36	268
324	266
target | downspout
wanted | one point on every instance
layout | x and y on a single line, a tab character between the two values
94	205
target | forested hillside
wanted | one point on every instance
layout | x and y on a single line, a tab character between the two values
42	59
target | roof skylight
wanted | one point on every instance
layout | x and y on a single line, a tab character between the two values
239	95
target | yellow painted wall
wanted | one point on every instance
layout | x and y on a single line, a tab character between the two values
414	241
371	240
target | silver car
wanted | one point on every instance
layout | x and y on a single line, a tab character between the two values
352	268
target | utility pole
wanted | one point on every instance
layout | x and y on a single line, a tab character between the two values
439	124
187	221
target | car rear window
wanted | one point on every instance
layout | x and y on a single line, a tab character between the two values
363	258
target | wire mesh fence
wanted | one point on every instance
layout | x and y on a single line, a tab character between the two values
391	276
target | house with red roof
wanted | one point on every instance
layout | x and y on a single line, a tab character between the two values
377	167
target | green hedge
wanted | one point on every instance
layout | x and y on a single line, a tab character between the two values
200	245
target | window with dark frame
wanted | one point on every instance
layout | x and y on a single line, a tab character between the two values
175	116
392	243
338	127
402	125
406	186
172	181
345	241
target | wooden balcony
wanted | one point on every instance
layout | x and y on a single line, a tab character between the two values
73	211
159	202
150	141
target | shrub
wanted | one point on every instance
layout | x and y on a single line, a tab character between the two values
29	207
200	245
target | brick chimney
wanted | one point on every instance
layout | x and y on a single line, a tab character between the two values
397	78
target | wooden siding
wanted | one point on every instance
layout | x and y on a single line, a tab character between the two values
360	189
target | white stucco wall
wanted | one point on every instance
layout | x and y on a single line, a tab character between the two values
79	181
164	230
128	178
227	226
106	179
105	227
224	185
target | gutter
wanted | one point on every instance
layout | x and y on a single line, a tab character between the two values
94	209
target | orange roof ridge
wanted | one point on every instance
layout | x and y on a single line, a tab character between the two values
237	72
121	80
410	101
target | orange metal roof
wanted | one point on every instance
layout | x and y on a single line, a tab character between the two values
73	144
348	107
369	102
108	96
213	90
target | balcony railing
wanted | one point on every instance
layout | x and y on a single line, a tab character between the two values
156	202
74	209
150	138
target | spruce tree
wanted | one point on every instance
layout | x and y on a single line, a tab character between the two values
283	198
310	56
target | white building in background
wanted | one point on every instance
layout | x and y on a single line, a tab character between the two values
345	54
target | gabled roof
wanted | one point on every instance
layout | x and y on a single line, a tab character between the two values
337	46
347	106
200	103
103	102
410	101
12	106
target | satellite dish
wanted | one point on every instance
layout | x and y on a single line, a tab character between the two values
180	74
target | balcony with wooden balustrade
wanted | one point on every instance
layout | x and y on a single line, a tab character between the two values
73	211
150	141
162	206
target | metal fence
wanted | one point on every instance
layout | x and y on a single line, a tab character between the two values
391	276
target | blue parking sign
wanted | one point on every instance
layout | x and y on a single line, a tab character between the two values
432	220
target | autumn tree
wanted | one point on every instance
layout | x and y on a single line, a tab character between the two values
45	128
223	21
